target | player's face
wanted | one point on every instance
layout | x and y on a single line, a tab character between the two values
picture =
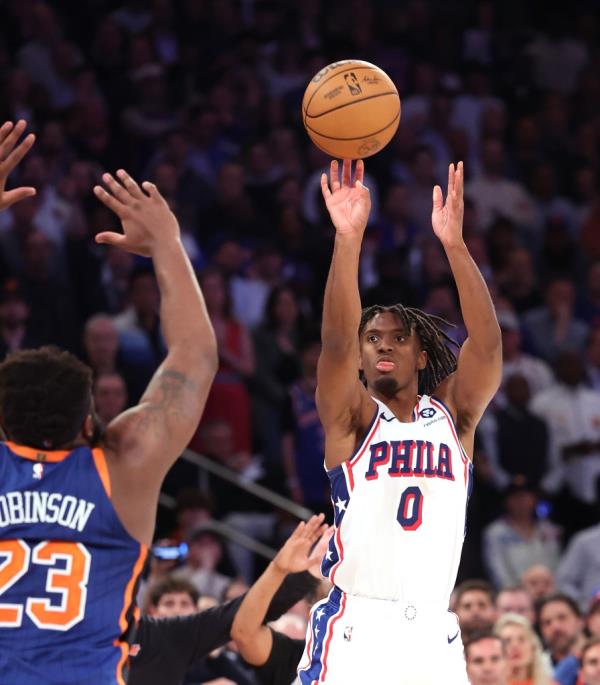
174	604
559	626
475	611
593	624
517	646
486	663
515	603
390	356
590	667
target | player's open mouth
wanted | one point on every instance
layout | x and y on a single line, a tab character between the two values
385	366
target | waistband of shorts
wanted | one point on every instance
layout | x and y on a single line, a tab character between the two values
421	606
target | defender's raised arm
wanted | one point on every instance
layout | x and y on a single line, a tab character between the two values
146	440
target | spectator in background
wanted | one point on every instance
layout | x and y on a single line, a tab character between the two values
110	396
277	367
538	580
572	413
592	358
588	307
516	600
474	604
553	328
228	399
592	619
486	659
523	649
304	438
561	627
172	597
579	572
14	315
514	361
517	541
516	440
518	280
589	674
206	553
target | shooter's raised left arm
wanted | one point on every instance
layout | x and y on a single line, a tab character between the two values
479	370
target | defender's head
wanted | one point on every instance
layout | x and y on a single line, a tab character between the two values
46	398
401	345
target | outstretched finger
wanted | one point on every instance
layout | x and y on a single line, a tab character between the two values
334	176
450	179
314	523
459	180
325	187
16	195
110	201
130	184
438	199
117	189
347	172
110	238
11	136
17	154
359	171
153	191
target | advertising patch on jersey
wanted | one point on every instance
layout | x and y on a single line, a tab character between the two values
428	412
38	471
134	649
348	633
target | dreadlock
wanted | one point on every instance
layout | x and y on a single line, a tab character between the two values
441	360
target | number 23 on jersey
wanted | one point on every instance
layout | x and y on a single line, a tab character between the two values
70	583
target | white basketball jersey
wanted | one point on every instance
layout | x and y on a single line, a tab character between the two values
400	507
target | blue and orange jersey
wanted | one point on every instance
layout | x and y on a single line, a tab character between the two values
68	570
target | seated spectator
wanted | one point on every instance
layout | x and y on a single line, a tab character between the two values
228	399
14	315
589	673
277	367
141	343
554	327
592	619
592	358
572	413
516	541
304	438
205	553
518	280
474	605
523	649
516	600
516	440
192	509
538	580
515	361
110	396
172	597
485	656
561	628
579	572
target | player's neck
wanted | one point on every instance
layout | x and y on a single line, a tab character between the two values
402	403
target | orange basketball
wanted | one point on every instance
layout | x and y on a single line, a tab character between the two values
351	109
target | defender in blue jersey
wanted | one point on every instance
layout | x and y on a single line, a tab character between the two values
77	511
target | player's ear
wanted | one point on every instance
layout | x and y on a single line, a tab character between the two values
422	360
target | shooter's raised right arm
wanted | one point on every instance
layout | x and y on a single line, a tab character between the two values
341	397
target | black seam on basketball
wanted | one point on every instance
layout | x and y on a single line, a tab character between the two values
368	135
352	102
338	73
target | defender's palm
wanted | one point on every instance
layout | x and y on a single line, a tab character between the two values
348	203
293	557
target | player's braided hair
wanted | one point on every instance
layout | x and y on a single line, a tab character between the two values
441	360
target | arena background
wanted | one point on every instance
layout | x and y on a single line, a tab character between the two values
203	98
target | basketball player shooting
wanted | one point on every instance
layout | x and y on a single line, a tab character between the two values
398	453
77	512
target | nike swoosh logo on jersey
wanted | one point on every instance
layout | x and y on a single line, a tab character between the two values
451	639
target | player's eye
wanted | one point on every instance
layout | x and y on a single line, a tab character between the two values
400	338
372	338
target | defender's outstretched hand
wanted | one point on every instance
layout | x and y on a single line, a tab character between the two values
348	203
447	219
146	218
295	555
10	156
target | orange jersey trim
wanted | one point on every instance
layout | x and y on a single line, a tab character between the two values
35	454
127	602
102	468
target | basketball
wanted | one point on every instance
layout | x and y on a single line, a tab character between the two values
351	109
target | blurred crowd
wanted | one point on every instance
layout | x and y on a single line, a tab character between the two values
203	97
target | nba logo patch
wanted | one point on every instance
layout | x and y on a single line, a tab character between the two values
348	633
427	413
38	471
